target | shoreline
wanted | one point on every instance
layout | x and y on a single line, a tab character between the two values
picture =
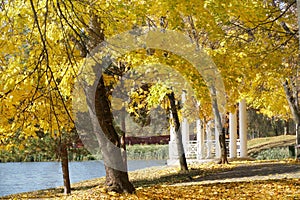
152	182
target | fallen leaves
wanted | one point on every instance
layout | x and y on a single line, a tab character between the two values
158	183
269	189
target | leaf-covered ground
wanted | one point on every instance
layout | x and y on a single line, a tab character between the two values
166	183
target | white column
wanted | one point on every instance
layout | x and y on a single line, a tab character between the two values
200	140
232	135
209	145
243	128
184	126
218	148
185	133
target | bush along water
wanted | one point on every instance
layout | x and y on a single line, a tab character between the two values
40	153
147	152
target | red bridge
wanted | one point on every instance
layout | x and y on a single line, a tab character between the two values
162	139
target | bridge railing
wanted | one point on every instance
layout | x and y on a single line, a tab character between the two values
195	151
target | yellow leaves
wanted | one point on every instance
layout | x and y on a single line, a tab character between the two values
21	147
282	189
157	93
268	96
113	194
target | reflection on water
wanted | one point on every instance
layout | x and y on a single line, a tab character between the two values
29	176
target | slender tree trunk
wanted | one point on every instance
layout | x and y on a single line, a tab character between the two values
178	138
286	127
65	168
218	126
117	180
296	115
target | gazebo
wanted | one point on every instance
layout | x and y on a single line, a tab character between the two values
206	145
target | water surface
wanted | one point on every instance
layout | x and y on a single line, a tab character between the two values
19	177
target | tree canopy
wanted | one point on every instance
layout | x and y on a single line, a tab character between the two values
254	47
253	44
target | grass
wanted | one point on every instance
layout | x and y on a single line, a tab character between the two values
259	145
268	140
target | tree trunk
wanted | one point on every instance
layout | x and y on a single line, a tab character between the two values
65	168
109	141
296	114
116	179
218	126
222	141
286	127
178	138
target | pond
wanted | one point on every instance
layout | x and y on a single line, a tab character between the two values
19	177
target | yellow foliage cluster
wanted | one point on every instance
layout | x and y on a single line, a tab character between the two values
42	44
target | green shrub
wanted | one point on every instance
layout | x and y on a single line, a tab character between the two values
277	153
147	152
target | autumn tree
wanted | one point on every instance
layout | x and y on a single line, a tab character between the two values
33	77
263	41
43	45
48	41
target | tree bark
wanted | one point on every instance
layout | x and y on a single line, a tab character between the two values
117	180
178	138
286	127
218	126
65	168
223	159
296	114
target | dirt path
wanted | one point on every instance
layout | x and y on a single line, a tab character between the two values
246	172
